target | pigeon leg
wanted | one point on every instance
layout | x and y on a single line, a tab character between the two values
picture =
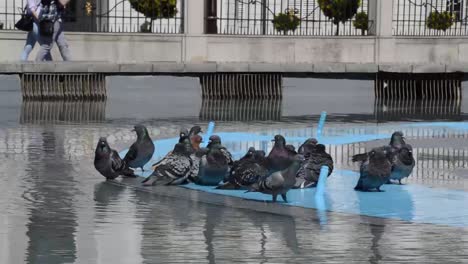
149	181
142	170
285	199
378	189
399	181
274	198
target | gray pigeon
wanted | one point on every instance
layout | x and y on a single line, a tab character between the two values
396	142
184	139
280	157
403	163
174	169
215	165
308	174
311	141
141	151
280	182
108	162
246	171
375	171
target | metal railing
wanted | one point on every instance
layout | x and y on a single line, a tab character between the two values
413	17
254	17
101	16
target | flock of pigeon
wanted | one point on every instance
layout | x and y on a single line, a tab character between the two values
282	170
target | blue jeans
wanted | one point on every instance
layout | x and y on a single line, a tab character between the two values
47	42
31	40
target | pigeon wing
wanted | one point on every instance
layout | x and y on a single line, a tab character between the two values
132	153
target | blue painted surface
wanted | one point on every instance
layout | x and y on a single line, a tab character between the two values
415	203
209	132
322	181
321	124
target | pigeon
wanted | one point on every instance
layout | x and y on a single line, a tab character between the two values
215	164
141	151
195	131
280	182
246	171
174	169
196	156
312	141
375	171
396	142
279	157
308	174
184	139
403	163
108	162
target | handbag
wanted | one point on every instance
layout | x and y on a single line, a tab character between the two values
26	21
46	28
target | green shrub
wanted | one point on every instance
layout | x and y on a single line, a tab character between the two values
361	22
285	22
155	9
339	11
440	20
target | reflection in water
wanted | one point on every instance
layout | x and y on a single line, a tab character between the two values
399	110
52	221
241	110
62	111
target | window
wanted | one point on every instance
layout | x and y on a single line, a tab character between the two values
455	8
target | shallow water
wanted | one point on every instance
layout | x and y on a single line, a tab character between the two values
55	208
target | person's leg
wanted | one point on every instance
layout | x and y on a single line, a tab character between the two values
62	42
31	40
46	42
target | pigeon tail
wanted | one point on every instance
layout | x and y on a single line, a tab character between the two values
359	157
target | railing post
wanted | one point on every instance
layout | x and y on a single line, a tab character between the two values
384	43
195	19
384	17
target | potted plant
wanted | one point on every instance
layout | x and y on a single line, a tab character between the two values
287	21
154	9
361	22
440	20
339	11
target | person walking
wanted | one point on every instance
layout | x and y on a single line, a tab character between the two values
53	10
33	8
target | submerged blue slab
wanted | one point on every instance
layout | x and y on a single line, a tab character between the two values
415	203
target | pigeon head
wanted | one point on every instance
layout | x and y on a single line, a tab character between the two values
195	130
102	146
312	141
196	141
320	148
405	154
214	140
397	139
291	148
259	154
279	140
250	153
183	133
141	131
